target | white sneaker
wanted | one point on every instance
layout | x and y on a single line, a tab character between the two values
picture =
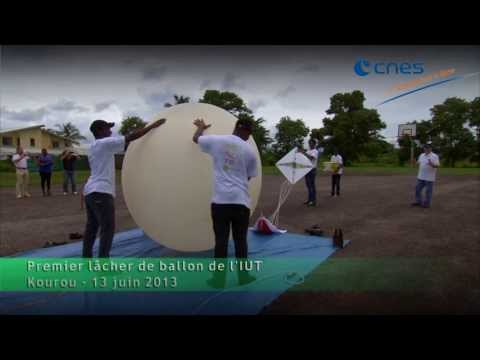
27	195
75	193
65	193
19	196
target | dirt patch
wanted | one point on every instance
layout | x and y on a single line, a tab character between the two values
373	211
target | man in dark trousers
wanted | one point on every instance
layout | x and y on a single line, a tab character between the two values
99	191
234	164
337	159
69	157
312	155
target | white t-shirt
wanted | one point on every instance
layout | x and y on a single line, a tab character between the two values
102	165
339	160
425	171
234	161
314	153
22	164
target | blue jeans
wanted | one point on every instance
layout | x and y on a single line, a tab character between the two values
69	176
418	192
310	182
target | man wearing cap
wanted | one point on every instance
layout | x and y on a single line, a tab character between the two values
99	191
428	162
234	164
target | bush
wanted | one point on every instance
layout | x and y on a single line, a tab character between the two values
269	158
6	166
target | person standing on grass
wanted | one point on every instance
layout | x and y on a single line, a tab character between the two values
20	159
68	158
312	155
45	165
337	159
99	191
234	164
428	162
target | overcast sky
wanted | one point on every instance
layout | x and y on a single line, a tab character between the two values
56	84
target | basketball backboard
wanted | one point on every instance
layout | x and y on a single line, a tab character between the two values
407	130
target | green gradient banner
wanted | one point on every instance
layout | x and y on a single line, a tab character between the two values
148	274
193	274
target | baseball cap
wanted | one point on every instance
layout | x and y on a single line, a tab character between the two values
100	124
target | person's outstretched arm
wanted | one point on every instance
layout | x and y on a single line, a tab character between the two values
141	132
201	127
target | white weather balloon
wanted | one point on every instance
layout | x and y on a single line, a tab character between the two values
167	179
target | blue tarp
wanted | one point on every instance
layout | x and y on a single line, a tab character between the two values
134	243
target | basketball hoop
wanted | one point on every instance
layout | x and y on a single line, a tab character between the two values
409	131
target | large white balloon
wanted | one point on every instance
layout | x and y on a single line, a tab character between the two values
167	179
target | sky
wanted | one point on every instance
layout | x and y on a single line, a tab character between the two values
49	85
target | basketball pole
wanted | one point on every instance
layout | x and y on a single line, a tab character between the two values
411	152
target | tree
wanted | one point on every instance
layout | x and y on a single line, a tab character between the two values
377	148
226	100
179	99
474	121
235	105
453	139
260	134
352	127
319	136
290	133
70	132
130	124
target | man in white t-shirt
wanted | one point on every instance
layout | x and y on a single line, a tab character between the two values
20	159
428	162
312	155
99	191
337	173
234	164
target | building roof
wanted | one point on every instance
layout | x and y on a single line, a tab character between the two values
6	131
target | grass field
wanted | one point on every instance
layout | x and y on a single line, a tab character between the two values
386	170
7	179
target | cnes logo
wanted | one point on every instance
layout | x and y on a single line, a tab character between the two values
364	67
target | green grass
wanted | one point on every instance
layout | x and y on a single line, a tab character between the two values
8	179
362	169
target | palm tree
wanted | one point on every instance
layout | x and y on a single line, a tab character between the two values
70	132
179	99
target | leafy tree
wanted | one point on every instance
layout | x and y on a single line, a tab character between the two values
352	127
130	124
377	148
474	121
290	133
226	100
260	133
69	131
179	99
319	136
235	105
453	139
